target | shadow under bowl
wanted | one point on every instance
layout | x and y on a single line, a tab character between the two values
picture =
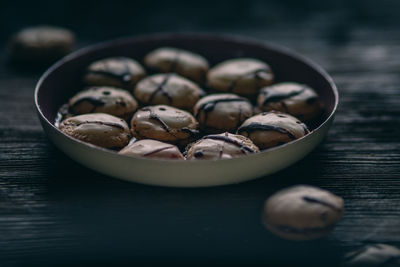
63	80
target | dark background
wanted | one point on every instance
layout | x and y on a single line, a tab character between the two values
56	212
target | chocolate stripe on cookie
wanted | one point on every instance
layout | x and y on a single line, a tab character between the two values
160	88
321	202
231	141
264	127
102	123
93	101
154	116
157	150
210	105
279	96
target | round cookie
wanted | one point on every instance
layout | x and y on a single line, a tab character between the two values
99	129
169	89
185	63
121	72
242	76
270	129
152	149
374	255
220	146
295	99
164	123
302	212
41	44
222	112
110	100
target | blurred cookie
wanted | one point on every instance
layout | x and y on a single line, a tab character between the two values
98	129
110	100
222	112
295	99
373	255
271	129
302	212
164	123
169	89
182	62
242	76
152	149
41	44
121	72
221	146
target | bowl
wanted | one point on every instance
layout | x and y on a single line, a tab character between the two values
63	80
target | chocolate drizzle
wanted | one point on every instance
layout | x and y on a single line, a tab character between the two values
156	151
198	154
305	128
154	116
265	127
125	77
95	102
111	124
192	132
243	147
321	202
271	96
160	88
210	105
254	73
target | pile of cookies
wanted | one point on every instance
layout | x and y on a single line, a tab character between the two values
186	110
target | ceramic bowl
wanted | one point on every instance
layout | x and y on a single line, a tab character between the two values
63	80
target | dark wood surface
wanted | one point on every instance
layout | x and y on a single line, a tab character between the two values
54	211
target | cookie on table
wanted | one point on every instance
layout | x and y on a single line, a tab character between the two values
99	129
270	129
164	123
295	99
242	76
169	89
218	113
220	146
121	72
373	255
104	99
182	62
302	212
152	149
41	44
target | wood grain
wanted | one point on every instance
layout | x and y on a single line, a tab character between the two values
54	211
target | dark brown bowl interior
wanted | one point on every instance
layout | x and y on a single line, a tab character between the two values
63	79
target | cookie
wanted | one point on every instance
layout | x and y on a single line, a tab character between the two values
221	146
182	62
41	44
110	100
302	212
270	129
242	76
121	72
222	112
99	129
295	99
169	89
374	255
152	149
164	123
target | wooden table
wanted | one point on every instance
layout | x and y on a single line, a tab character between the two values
53	210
